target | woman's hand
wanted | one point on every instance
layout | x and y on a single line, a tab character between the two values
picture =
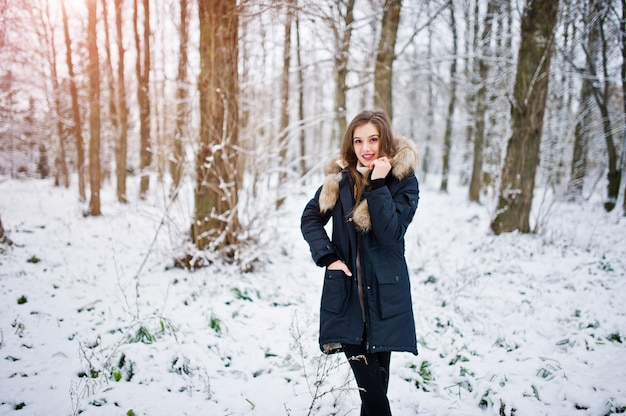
380	168
339	265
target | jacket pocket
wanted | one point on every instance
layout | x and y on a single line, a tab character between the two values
336	291
394	291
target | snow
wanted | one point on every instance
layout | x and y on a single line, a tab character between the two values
94	320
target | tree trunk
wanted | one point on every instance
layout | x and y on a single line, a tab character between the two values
481	104
218	175
566	113
430	104
303	167
76	121
623	155
471	75
284	105
500	80
447	137
529	102
342	58
161	104
584	120
142	65
110	80
602	96
558	125
385	55
61	173
177	162
121	154
94	110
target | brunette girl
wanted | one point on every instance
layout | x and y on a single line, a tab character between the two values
371	194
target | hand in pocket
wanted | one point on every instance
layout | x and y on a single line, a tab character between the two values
336	291
339	265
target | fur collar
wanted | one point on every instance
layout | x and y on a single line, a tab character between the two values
402	164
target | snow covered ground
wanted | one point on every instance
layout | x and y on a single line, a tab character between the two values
94	320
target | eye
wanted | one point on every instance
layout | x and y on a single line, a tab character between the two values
356	140
373	139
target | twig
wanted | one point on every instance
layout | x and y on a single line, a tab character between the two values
172	198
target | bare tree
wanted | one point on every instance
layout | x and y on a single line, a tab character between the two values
481	103
385	55
601	89
142	69
110	125
578	168
527	114
216	225
76	118
284	102
303	167
177	161
447	137
48	38
623	155
121	149
94	110
501	78
343	37
584	117
470	47
430	96
118	109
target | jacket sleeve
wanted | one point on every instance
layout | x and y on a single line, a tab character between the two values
312	226
391	214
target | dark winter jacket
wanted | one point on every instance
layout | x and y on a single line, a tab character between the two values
375	230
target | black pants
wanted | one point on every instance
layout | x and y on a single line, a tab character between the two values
371	372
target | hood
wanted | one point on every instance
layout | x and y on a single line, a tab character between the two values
403	162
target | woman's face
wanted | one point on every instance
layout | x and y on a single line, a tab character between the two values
365	142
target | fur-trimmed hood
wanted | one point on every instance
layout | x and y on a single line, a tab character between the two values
402	164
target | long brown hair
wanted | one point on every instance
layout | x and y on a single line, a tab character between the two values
386	147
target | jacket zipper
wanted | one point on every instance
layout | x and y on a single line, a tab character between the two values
359	279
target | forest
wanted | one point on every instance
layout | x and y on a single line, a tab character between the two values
234	100
156	156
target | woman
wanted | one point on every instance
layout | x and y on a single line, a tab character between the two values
371	193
